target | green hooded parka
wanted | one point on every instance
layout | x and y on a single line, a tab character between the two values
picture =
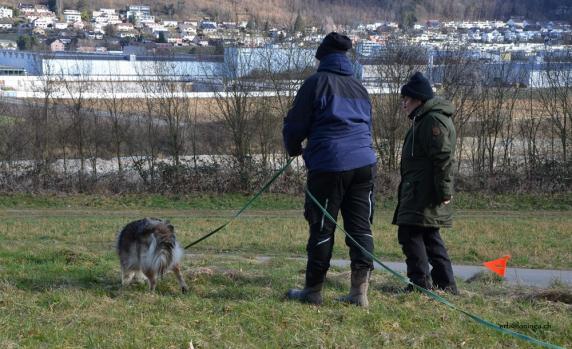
426	167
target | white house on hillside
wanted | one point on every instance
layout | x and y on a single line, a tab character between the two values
61	25
187	29
8	45
44	22
140	13
106	17
72	16
6	12
103	11
172	24
37	10
124	27
6	23
147	20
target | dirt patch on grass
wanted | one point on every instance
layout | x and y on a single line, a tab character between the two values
231	274
77	258
485	277
560	296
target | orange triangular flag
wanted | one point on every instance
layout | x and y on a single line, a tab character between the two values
498	265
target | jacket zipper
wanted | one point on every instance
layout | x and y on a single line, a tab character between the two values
413	145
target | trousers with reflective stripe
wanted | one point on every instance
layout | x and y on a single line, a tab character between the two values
351	193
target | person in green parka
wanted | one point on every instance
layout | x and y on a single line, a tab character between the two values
426	188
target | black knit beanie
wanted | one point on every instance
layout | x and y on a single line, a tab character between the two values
333	43
417	87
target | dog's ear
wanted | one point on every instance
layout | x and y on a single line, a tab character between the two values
171	227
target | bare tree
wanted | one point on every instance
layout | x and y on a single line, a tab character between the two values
96	135
76	89
116	106
391	70
529	127
147	138
13	145
194	124
458	73
283	69
494	114
235	108
555	94
173	106
39	110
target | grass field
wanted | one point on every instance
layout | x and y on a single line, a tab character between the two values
60	286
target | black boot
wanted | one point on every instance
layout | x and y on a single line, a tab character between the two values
358	289
452	289
424	283
312	295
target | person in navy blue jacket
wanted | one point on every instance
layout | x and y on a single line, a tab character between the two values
332	113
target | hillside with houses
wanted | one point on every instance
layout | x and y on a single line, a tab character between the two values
138	29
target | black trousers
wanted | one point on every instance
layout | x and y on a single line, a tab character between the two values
350	192
423	246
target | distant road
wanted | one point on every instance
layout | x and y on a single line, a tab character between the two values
134	95
125	117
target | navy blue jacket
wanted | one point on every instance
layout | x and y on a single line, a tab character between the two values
333	111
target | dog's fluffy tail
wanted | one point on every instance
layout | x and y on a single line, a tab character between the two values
162	259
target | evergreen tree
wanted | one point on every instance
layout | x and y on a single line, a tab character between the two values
53	5
26	42
109	30
299	24
169	10
162	37
251	25
82	5
85	16
407	17
181	6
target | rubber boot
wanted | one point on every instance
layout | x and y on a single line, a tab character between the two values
312	295
452	289
424	283
358	289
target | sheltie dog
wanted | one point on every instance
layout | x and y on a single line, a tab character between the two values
147	249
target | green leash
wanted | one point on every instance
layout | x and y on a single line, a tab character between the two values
391	271
276	175
432	294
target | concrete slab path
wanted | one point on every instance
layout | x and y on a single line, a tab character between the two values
514	276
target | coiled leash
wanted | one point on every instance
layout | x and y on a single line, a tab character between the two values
432	294
276	175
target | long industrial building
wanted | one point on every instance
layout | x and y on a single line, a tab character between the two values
234	63
23	72
115	66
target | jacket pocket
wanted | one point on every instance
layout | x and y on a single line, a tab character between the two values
408	193
443	213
